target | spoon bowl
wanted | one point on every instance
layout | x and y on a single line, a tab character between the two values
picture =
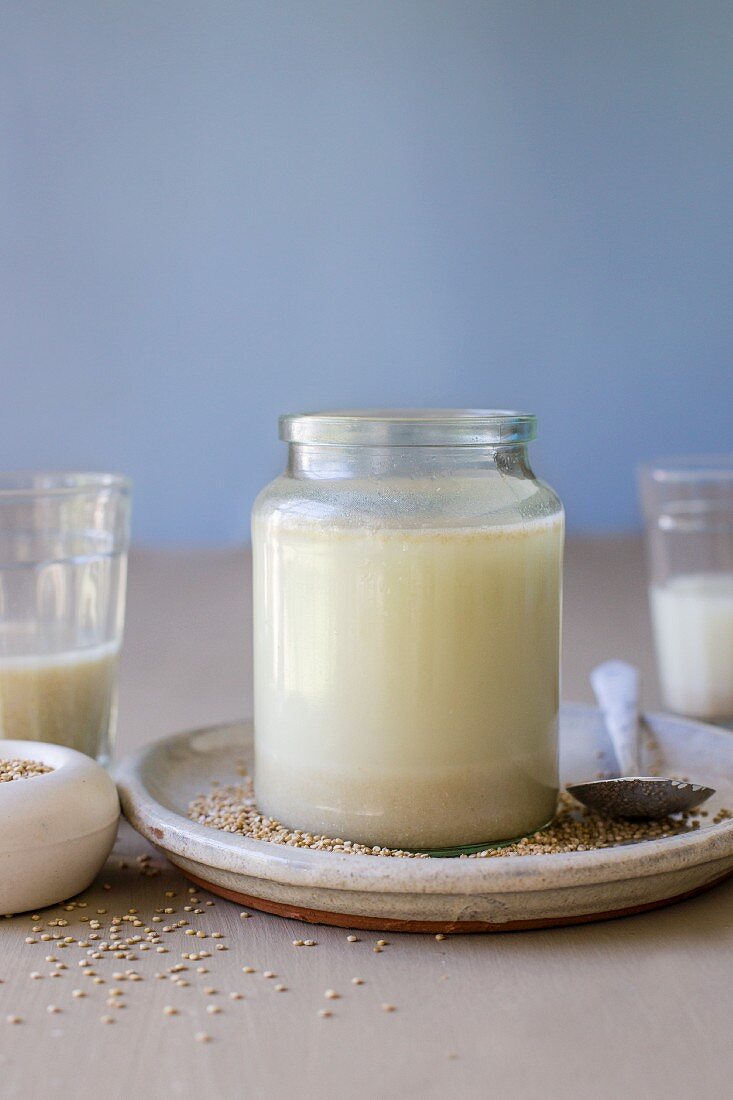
641	797
616	686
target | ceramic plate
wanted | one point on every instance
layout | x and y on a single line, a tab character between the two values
431	895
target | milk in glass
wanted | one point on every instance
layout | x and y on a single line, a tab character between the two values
692	617
65	698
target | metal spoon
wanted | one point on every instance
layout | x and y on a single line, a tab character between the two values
616	687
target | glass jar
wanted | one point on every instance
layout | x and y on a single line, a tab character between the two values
407	586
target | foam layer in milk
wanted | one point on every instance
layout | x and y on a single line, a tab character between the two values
692	618
406	681
65	698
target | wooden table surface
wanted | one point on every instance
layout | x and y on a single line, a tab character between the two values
629	1008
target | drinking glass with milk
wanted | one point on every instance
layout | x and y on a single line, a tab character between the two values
63	565
407	576
688	509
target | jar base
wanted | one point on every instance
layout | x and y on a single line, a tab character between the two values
471	849
450	811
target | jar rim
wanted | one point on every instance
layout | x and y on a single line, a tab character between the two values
409	427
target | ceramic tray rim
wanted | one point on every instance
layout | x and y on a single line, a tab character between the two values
180	836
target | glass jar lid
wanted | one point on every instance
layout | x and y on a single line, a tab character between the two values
409	427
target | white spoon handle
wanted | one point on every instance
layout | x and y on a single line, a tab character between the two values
616	687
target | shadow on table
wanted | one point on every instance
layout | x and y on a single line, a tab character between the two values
702	919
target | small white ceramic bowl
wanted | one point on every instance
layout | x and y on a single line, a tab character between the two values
56	829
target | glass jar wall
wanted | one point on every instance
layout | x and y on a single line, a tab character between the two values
407	583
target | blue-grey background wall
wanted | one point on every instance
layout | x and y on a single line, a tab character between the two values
213	212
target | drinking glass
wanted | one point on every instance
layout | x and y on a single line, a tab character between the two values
63	564
688	511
